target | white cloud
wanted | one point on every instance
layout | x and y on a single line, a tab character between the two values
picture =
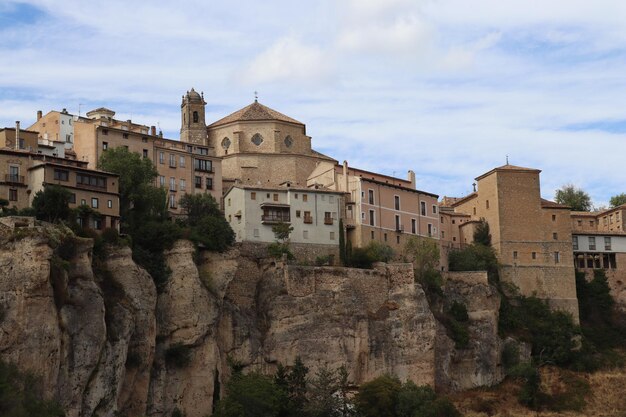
289	60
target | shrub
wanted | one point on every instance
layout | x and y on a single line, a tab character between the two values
277	249
251	395
510	355
322	260
111	236
459	312
178	355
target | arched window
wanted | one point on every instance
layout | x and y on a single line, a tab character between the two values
257	139
195	117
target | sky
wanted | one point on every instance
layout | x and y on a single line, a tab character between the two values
446	88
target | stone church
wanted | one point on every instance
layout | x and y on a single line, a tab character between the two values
258	145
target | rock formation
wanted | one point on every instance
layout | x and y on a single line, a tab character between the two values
105	343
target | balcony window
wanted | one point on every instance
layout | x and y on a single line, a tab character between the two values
209	183
61	175
198	182
203	165
172	161
90	181
161	157
276	215
328	219
307	217
181	162
172	184
183	185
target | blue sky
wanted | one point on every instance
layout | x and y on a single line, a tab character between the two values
446	88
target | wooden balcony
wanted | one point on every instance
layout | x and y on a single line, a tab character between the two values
275	218
308	219
14	179
328	220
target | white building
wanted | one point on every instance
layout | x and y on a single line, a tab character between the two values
313	213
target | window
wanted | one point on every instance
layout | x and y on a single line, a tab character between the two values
94	202
554	217
575	242
183	184
362	215
288	141
398	226
422	208
91	181
591	223
430	229
83	202
252	195
203	165
73	198
557	257
592	243
97	224
298	213
172	161
275	197
487	204
332	235
413	226
331	199
105	146
453	221
105	132
110	203
172	201
305	234
61	175
398	239
372	233
514	254
443	235
257	139
307	217
474	210
144	139
370	196
372	223
182	162
145	153
161	181
396	202
454	238
172	184
256	233
305	197
161	157
229	202
203	151
434	209
195	117
125	135
605	220
209	183
555	236
295	196
189	148
198	182
607	243
385	237
580	222
533	255
12	194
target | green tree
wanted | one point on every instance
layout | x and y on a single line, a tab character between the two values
52	204
138	197
282	231
207	226
4	203
482	234
617	200
251	395
346	408
322	393
575	198
424	253
198	206
297	387
378	397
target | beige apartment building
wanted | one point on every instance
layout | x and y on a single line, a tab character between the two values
24	173
379	207
26	138
531	236
182	167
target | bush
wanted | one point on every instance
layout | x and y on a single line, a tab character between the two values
251	395
322	260
459	312
178	355
510	355
276	250
111	236
373	252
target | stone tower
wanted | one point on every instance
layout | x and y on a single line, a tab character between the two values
193	126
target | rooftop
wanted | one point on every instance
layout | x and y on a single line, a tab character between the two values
508	168
255	112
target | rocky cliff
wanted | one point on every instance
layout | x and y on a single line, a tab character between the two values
106	342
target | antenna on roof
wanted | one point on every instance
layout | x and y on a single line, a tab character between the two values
507	159
256	96
79	106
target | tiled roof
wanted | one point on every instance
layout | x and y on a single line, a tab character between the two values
255	111
551	204
508	167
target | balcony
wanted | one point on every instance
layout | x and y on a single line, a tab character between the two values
173	187
327	220
308	219
14	179
275	218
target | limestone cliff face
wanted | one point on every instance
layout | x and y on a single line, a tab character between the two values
107	344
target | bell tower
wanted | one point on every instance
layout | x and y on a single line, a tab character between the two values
193	126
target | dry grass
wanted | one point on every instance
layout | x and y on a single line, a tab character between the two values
607	396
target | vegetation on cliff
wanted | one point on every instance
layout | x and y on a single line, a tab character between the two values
293	393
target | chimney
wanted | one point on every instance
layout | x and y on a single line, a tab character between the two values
411	178
160	133
39	114
17	134
153	130
345	176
